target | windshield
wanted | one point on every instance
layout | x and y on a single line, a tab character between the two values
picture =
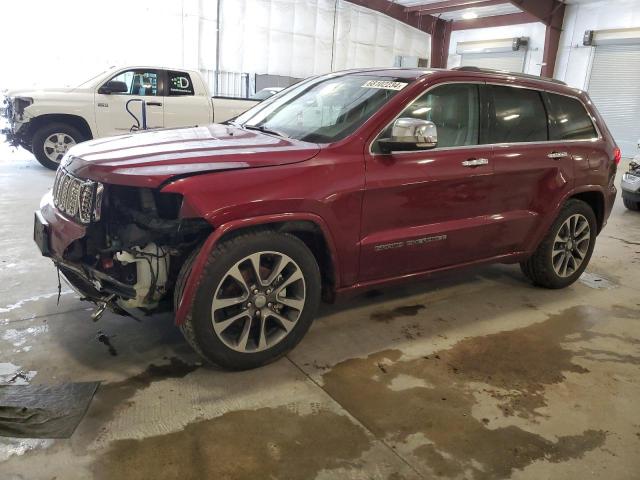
323	109
86	82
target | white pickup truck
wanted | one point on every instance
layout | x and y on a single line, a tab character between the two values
48	122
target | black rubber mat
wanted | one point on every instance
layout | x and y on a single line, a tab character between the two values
43	411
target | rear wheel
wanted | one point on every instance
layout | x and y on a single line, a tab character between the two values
257	298
566	250
630	204
52	141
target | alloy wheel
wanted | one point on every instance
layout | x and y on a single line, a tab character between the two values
258	301
571	245
56	145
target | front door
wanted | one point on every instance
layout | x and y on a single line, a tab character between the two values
112	117
430	209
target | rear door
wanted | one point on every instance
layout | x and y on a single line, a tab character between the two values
112	117
532	172
570	123
186	104
428	209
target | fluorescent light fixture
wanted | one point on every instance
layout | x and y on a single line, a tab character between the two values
418	111
511	117
470	15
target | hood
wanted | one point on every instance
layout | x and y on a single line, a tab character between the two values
151	158
39	92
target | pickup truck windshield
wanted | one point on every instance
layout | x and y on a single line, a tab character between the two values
324	109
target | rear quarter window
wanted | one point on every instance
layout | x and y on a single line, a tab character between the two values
518	115
180	84
569	119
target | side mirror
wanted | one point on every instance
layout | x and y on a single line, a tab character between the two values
409	134
113	86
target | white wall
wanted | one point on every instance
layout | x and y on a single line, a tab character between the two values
574	60
535	32
296	37
64	42
55	43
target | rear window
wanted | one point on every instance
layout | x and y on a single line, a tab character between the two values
569	119
518	116
179	84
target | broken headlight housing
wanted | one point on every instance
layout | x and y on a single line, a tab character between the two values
77	198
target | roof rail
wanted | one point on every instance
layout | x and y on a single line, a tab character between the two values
514	74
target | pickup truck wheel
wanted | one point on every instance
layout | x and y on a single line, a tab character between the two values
256	300
630	204
566	250
51	141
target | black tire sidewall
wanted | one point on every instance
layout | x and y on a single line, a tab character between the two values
224	258
41	134
572	208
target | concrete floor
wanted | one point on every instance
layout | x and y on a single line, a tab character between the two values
475	374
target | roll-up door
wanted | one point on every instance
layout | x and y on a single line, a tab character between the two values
509	61
614	87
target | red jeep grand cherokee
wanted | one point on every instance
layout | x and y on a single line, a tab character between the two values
342	182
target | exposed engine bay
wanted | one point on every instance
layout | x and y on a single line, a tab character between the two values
131	256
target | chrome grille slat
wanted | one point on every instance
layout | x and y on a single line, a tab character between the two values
74	196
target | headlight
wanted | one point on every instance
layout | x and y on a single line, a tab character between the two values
630	178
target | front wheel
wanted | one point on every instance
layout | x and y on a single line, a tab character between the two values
566	250
256	300
51	141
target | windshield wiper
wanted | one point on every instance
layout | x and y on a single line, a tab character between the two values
263	129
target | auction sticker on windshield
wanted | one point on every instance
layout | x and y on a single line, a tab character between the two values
384	84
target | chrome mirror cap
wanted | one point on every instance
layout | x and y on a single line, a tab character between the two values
410	134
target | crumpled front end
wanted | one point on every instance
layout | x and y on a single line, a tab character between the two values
13	110
116	246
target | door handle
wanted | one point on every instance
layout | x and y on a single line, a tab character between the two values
557	155
154	104
475	162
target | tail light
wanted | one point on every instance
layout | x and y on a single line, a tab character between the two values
617	155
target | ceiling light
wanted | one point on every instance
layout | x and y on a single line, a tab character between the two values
469	15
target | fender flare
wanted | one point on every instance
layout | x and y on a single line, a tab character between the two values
191	284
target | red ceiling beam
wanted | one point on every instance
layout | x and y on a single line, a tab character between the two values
543	10
425	23
453	5
495	21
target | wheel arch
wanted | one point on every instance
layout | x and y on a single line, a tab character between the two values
75	121
309	228
595	199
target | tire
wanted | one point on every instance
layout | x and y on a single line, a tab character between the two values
630	204
240	344
547	270
62	135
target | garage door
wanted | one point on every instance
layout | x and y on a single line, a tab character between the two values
509	61
614	87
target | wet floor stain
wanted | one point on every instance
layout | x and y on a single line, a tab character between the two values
251	444
516	366
404	311
112	396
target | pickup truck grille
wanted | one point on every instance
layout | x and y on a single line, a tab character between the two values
77	198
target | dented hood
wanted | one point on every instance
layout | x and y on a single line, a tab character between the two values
151	158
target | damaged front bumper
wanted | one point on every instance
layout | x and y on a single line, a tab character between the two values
13	112
53	233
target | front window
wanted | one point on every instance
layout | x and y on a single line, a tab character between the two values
142	83
324	109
